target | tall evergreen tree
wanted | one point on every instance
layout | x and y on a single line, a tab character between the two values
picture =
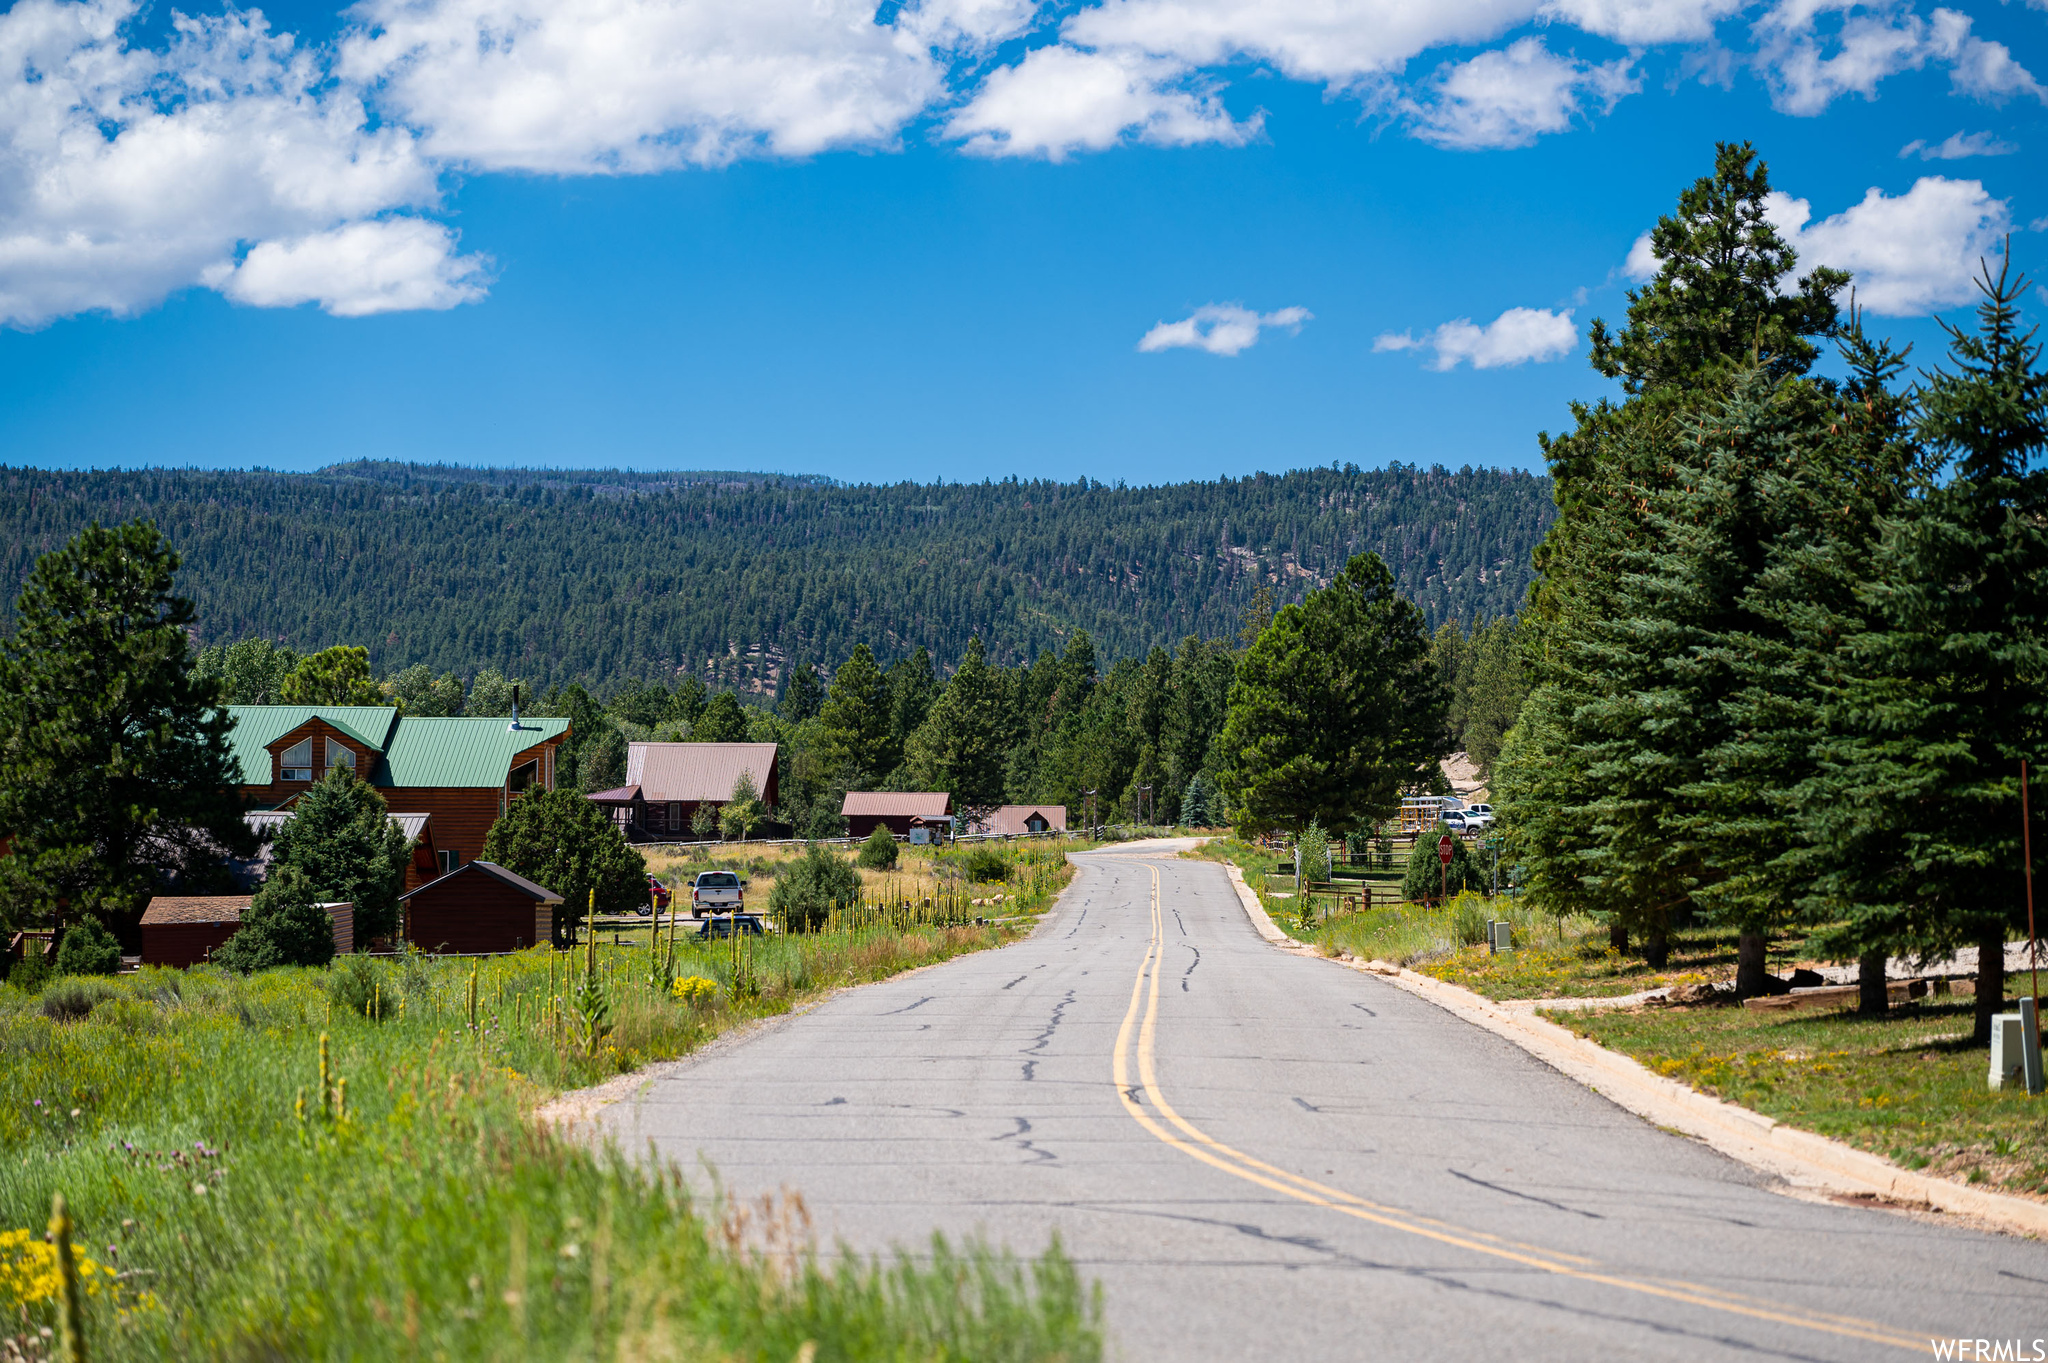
960	747
801	695
854	723
1948	691
1628	707
341	839
115	771
1335	709
723	721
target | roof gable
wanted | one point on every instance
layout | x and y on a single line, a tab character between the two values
697	771
257	727
923	804
495	872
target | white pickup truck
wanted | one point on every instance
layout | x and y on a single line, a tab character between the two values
717	892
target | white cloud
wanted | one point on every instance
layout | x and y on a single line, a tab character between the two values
1872	42
1957	147
1911	255
126	174
1060	100
1643	261
1517	336
1645	23
397	265
1979	67
582	86
1221	329
1510	97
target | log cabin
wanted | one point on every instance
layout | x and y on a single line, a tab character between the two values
455	776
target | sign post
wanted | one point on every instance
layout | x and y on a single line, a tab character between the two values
1443	854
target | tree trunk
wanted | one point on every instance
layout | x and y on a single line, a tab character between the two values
1873	998
1990	980
1657	948
1617	935
1749	965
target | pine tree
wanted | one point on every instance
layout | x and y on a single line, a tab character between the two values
1949	685
1336	708
115	771
854	723
559	839
723	721
912	689
961	748
801	694
283	925
341	838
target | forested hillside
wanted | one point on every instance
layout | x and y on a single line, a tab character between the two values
602	576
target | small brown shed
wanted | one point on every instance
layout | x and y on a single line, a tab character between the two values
185	930
479	907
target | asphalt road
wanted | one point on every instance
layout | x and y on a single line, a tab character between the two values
1266	1156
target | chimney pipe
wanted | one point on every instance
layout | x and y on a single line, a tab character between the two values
513	727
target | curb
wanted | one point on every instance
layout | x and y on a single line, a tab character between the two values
1807	1162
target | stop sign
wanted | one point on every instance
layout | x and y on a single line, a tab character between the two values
1443	849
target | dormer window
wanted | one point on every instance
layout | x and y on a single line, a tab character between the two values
297	761
338	756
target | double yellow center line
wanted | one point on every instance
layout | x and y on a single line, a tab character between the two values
1141	1021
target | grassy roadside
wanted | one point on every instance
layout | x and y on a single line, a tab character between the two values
409	1208
1553	958
1908	1086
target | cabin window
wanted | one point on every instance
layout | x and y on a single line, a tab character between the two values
297	762
338	756
524	776
447	860
675	816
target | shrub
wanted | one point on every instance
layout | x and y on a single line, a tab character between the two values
88	949
359	987
1426	878
282	926
1468	919
985	864
31	972
811	887
72	999
878	853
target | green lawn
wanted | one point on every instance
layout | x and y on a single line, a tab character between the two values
183	1118
1908	1086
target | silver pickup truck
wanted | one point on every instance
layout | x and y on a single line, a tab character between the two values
717	892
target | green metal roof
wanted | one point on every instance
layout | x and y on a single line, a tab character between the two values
258	726
417	751
460	752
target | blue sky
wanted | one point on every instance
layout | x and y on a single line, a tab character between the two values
1140	239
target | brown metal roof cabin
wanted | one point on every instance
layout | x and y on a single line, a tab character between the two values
1016	821
865	810
666	783
185	930
479	907
460	774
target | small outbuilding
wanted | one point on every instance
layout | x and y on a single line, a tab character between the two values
185	930
479	907
1017	821
896	810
